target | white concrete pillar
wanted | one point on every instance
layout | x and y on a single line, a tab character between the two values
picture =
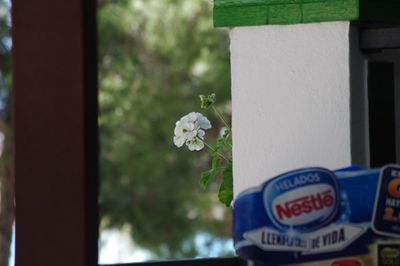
291	99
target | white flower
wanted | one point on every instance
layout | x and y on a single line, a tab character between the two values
195	144
189	130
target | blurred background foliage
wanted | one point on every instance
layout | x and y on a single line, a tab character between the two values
7	207
5	56
155	58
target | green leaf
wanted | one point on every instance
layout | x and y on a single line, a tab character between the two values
207	101
227	132
225	194
218	146
227	141
216	163
205	178
207	175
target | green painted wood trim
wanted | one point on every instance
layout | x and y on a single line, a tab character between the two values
262	12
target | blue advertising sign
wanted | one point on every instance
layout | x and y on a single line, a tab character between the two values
386	218
315	214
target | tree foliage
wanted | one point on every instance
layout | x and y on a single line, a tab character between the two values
5	52
155	58
7	207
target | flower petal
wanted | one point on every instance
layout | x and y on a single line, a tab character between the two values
178	130
179	141
191	117
204	123
201	133
195	144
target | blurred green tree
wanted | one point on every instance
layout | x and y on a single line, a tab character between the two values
155	58
6	162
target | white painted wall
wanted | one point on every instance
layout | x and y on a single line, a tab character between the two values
291	99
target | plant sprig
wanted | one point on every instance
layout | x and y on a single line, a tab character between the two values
221	153
190	131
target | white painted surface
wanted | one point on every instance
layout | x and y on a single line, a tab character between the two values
291	99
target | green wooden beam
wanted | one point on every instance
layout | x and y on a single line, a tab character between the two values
263	12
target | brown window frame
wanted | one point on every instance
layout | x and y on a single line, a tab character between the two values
55	114
55	132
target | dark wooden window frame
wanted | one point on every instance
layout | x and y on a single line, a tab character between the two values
372	43
381	113
391	55
55	129
380	38
190	262
56	135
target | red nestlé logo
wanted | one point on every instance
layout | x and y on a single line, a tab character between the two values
305	205
302	200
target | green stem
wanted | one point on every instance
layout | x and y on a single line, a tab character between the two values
227	137
220	116
213	150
